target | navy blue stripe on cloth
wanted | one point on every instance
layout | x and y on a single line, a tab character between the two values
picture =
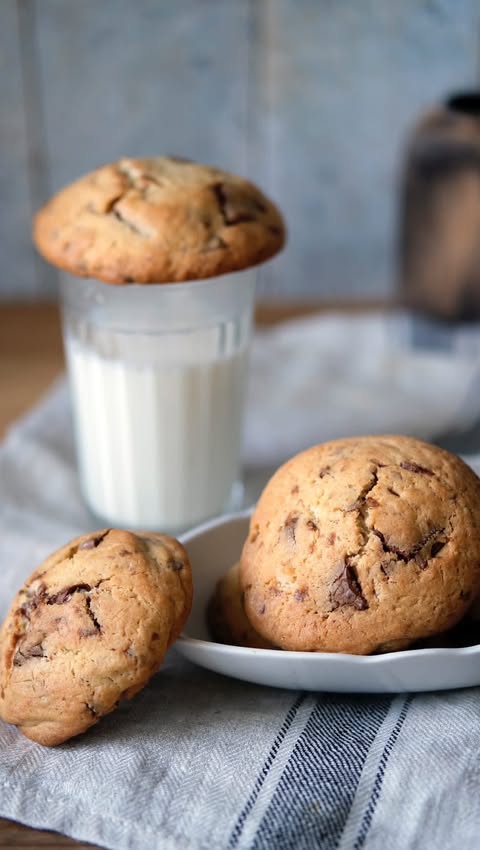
310	805
290	717
377	785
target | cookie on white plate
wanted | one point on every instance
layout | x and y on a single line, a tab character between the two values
363	545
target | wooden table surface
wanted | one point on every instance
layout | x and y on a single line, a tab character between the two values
31	358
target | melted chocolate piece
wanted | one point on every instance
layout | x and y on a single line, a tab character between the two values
290	525
346	589
234	210
23	654
66	594
93	542
415	467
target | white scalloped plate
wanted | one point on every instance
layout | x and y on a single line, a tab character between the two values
213	548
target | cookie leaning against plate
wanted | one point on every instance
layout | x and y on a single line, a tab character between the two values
226	617
89	627
158	220
363	545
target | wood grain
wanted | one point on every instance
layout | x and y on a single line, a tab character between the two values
31	356
14	835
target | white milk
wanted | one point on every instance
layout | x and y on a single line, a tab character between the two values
151	434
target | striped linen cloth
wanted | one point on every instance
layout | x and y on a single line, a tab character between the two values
198	761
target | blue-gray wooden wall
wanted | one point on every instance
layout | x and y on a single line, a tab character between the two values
311	98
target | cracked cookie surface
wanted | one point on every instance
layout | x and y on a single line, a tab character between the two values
226	617
363	545
88	628
158	220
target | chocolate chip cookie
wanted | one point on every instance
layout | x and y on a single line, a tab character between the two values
226	617
88	628
363	545
158	220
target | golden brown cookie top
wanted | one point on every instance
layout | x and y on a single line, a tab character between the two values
88	628
363	545
158	220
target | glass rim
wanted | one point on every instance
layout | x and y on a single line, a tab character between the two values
167	287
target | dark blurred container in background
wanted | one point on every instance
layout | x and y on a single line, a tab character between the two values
440	211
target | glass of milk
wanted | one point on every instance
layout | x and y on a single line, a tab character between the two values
157	375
